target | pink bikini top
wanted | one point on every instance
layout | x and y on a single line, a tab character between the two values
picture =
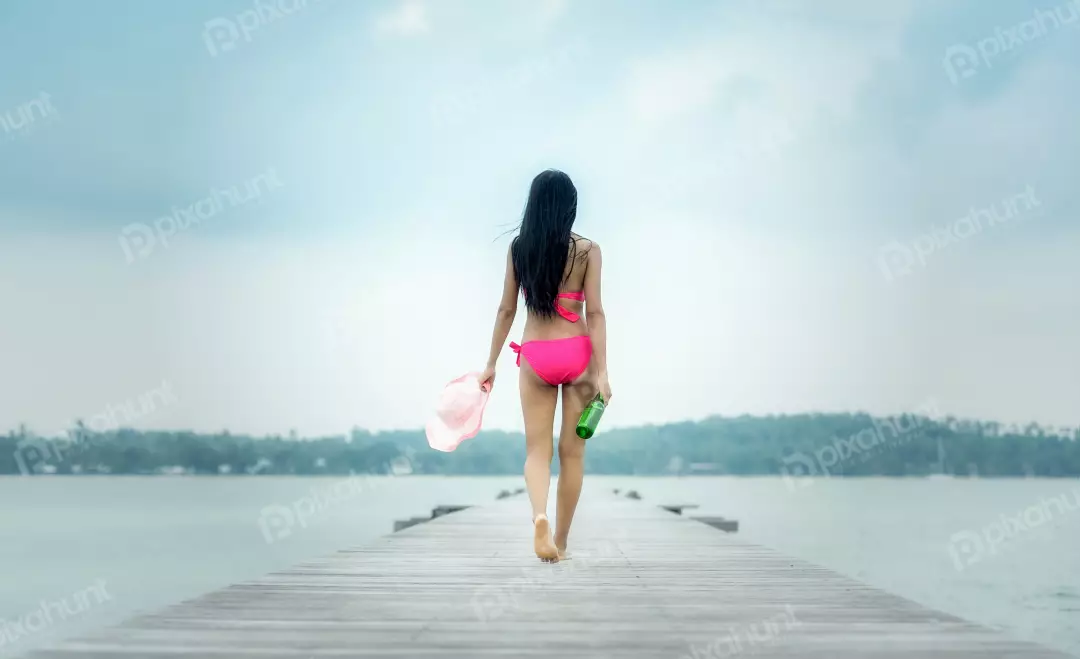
563	311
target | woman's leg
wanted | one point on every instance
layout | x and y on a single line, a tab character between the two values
538	400
571	454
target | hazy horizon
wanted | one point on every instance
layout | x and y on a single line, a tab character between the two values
126	414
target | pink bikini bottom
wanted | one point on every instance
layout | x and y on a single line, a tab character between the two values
559	361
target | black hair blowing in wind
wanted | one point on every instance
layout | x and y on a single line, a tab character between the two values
540	250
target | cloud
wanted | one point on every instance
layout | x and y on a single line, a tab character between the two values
800	68
409	19
665	88
550	11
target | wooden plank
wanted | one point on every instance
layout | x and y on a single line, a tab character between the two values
722	523
439	511
642	583
677	508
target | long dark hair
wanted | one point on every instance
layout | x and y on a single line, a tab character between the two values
539	251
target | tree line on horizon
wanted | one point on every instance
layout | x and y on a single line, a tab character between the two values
792	445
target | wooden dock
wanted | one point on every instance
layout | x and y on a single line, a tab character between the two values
643	582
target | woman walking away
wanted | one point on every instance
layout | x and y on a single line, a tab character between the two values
558	273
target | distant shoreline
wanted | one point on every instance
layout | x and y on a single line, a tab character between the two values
796	448
517	475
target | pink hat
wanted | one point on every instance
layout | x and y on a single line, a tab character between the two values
458	413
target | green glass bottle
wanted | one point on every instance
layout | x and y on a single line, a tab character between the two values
590	417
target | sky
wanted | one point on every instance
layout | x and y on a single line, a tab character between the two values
292	214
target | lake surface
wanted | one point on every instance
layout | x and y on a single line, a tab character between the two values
81	553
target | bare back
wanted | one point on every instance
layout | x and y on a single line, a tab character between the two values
574	276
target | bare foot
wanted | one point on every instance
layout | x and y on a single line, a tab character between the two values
542	543
560	545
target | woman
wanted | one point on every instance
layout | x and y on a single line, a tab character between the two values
558	273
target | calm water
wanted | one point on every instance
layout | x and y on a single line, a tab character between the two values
93	551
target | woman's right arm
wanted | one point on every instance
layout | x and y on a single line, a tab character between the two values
597	322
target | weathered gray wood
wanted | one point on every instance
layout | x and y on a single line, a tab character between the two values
439	511
677	508
642	583
402	524
722	523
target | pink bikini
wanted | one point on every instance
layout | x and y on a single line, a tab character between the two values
558	361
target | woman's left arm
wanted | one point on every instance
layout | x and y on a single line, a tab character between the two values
504	319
